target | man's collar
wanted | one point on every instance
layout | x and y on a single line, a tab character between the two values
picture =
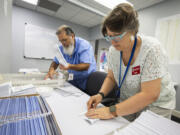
75	45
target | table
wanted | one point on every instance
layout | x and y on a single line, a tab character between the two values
67	113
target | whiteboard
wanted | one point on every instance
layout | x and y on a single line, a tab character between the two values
40	42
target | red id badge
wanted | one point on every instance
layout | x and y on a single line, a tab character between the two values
136	70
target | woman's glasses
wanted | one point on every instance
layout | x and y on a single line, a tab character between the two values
115	38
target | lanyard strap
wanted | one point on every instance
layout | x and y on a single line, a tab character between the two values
73	61
128	65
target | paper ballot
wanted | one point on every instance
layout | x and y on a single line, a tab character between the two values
60	57
149	123
89	120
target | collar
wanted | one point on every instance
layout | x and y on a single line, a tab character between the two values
76	44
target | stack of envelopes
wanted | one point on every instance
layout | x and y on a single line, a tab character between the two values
27	115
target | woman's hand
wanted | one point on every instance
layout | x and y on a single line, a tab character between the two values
100	113
94	101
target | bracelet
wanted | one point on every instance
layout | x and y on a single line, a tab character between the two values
102	94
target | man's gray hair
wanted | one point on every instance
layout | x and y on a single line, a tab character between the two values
65	28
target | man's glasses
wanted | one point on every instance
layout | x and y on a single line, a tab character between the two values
115	38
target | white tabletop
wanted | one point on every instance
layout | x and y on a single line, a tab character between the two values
67	112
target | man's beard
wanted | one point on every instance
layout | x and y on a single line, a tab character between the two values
68	50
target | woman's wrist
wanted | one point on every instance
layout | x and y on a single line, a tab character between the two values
102	95
113	110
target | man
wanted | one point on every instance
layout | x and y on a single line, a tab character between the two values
79	55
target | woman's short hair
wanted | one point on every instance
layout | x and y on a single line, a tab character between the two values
122	18
65	28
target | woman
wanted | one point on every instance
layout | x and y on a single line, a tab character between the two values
138	65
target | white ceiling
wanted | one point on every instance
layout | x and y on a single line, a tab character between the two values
87	13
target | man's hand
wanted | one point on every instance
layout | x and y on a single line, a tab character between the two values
65	68
49	74
94	101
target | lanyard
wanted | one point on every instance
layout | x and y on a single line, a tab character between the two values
128	65
72	58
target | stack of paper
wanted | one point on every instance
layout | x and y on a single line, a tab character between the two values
52	83
5	89
44	91
60	57
22	76
26	79
149	123
27	115
68	90
24	90
29	70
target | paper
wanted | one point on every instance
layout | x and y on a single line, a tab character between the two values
44	91
68	91
29	70
89	120
5	89
36	79
24	90
60	57
71	76
62	92
22	76
52	83
149	123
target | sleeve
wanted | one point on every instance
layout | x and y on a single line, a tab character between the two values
153	65
86	55
56	60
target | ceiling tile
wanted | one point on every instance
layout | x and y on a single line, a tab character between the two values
94	21
82	16
140	4
96	5
45	11
60	2
90	24
87	23
67	11
25	5
54	7
14	1
97	18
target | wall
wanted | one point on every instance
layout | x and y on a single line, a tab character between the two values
95	32
148	18
175	74
5	35
22	15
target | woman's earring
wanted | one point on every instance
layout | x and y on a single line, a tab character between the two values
132	38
